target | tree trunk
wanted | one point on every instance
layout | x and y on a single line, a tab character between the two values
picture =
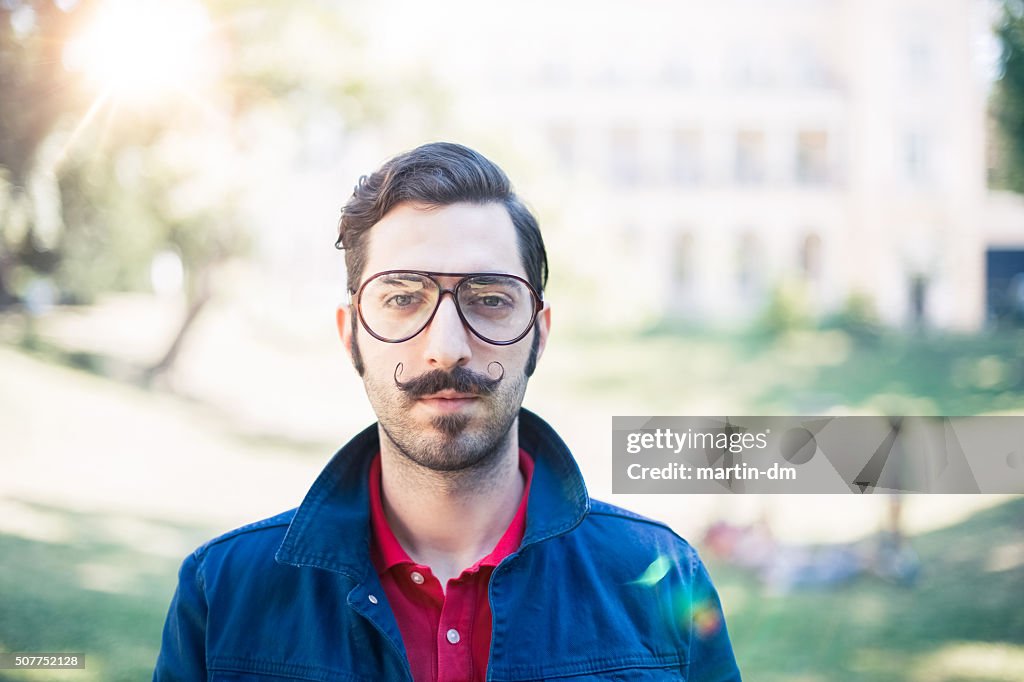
199	295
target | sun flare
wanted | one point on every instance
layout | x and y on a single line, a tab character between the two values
139	50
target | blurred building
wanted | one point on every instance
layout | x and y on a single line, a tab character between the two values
691	158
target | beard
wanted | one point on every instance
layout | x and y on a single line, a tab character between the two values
454	447
448	442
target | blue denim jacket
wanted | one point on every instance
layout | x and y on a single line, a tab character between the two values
593	593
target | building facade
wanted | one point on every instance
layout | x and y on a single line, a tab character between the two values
691	159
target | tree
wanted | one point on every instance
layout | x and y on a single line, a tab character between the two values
33	97
1008	100
122	180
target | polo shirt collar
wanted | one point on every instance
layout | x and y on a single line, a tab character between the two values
331	528
387	552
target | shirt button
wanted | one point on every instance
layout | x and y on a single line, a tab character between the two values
373	599
453	636
417	577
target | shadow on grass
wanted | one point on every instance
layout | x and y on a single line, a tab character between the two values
805	372
97	364
956	375
103	589
120	371
970	597
93	363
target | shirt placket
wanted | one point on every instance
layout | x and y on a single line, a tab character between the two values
454	632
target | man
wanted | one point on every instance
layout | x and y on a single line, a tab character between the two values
454	539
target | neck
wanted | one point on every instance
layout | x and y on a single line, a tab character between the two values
449	520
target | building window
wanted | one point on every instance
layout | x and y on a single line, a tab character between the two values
686	157
554	73
749	256
810	258
812	167
628	244
750	66
682	259
919	61
677	71
749	159
561	139
625	156
808	66
917	157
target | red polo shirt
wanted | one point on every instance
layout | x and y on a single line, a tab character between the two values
447	634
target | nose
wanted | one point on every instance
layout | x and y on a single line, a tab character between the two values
447	339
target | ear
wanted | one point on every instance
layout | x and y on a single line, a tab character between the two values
342	317
543	328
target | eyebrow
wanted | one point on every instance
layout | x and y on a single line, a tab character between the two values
395	278
487	278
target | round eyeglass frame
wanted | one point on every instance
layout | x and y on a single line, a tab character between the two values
538	303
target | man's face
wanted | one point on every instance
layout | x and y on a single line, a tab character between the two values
453	415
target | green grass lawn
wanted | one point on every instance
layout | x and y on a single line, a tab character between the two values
805	372
963	621
106	595
96	594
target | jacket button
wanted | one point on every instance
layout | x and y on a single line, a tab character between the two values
453	636
373	599
417	577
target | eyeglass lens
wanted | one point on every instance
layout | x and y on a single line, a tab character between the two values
396	305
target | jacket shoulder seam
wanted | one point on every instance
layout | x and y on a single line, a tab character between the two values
281	520
605	509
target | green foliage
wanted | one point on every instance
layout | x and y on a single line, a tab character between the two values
1008	100
857	317
32	80
787	310
33	96
126	181
110	233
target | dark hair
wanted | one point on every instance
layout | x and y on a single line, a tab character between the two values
436	174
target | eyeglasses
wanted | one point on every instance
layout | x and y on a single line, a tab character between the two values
396	305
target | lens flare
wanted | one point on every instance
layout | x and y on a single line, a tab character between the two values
707	619
139	50
657	570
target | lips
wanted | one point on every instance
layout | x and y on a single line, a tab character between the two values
449	401
449	395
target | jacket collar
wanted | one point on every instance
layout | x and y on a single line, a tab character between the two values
331	528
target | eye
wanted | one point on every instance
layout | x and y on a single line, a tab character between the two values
491	301
399	301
